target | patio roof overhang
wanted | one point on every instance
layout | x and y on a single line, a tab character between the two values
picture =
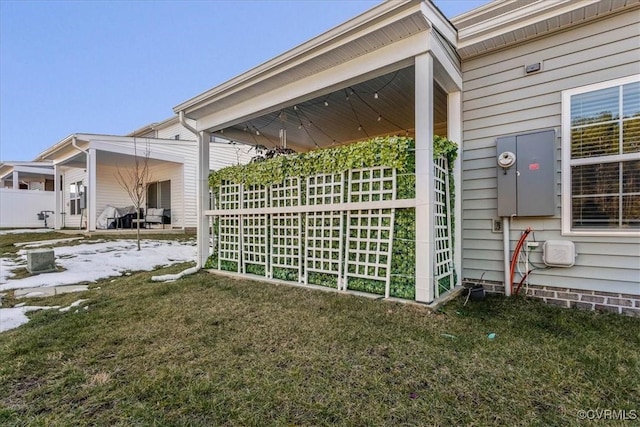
353	82
111	149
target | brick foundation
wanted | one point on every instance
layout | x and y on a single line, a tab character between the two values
626	304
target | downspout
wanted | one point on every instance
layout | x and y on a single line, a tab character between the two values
198	266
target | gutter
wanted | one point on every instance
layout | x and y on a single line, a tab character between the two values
198	266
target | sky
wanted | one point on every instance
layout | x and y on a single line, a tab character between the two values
111	67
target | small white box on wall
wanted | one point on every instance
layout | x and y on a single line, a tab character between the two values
559	253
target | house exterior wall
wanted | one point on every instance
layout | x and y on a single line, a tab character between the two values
499	99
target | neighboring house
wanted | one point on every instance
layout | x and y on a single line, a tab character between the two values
84	169
26	193
26	175
556	82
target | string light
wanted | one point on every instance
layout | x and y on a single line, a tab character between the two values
326	103
295	107
379	117
375	95
359	127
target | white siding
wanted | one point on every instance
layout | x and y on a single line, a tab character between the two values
223	155
499	99
169	132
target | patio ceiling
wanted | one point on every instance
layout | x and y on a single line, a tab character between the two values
380	106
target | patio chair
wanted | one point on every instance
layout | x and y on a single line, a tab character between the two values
154	216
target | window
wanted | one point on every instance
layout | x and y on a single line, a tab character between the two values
76	192
159	195
601	157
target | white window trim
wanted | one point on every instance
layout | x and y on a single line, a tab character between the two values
566	158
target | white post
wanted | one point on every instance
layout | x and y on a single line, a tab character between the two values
16	180
424	177
57	197
90	212
454	133
202	198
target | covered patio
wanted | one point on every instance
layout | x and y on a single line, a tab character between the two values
390	71
87	166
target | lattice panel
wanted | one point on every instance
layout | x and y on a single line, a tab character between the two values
324	230
254	241
229	197
443	246
286	242
323	240
286	194
325	189
254	196
228	239
286	228
372	185
369	244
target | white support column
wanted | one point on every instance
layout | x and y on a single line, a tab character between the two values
16	180
424	178
454	133
202	197
90	212
57	197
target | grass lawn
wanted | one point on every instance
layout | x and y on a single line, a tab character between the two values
208	350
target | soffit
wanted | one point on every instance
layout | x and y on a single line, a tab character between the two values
505	23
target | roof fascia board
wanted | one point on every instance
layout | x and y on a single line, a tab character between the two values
436	19
366	23
451	71
362	68
137	151
52	154
155	126
529	14
42	171
54	148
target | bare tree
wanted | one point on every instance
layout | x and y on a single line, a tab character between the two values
134	180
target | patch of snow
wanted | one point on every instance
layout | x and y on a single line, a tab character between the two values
6	265
11	318
73	304
90	262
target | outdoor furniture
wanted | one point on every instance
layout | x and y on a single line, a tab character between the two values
154	216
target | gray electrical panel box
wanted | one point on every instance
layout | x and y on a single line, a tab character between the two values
527	174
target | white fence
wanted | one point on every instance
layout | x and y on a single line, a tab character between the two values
20	208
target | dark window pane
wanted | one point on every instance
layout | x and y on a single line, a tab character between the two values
631	136
631	211
603	178
595	212
152	195
631	176
631	100
597	106
597	140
